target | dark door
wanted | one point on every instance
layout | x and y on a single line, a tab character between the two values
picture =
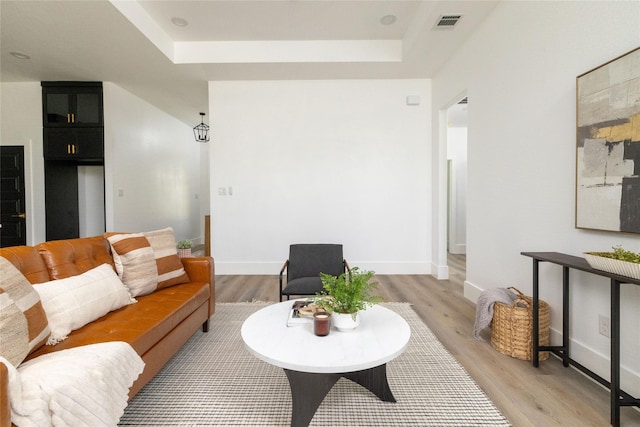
13	220
61	200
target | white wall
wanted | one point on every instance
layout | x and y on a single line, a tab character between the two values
152	168
519	71
320	161
91	200
21	125
150	155
457	155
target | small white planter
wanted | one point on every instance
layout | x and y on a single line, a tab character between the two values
184	253
344	322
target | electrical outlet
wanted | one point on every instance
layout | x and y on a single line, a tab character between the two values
604	325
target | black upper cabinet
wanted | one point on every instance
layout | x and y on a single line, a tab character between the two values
83	144
72	104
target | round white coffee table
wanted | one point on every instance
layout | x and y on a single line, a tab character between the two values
314	364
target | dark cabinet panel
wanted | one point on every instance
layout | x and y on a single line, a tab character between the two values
61	200
89	108
82	144
72	104
73	135
57	107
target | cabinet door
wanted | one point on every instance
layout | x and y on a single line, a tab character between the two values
59	144
61	200
56	105
74	144
88	106
69	106
89	144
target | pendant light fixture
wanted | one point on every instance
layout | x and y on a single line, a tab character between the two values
201	132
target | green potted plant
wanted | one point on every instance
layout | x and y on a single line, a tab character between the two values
184	248
620	261
345	295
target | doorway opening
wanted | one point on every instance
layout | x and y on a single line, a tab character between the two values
457	122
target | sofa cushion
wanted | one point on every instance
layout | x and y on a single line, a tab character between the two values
135	262
75	301
24	296
14	331
27	259
67	258
142	324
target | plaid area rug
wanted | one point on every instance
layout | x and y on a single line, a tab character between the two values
214	381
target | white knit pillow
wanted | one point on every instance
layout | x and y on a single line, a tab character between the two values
75	301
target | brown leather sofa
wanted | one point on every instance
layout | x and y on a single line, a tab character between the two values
157	326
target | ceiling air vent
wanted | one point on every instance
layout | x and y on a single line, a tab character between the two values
446	22
463	101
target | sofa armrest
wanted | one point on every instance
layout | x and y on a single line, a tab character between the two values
202	269
5	408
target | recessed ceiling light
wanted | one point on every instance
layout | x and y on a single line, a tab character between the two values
388	19
19	55
180	22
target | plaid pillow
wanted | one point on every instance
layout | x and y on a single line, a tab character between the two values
18	292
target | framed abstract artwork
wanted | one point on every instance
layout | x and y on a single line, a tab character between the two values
608	146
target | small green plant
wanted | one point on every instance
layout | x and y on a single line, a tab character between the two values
185	244
348	293
621	254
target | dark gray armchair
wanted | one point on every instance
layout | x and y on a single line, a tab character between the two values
303	268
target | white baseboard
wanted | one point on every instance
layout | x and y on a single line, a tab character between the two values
599	363
586	356
471	291
458	249
197	240
440	272
248	268
266	268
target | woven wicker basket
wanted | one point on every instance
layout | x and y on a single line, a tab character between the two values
512	327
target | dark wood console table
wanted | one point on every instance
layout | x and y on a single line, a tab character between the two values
618	397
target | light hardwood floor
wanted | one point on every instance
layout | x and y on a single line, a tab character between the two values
547	396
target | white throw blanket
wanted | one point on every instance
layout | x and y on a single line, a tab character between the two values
484	307
82	386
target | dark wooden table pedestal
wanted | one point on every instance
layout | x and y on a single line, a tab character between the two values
308	389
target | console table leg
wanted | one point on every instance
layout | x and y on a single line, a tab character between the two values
615	353
565	316
536	327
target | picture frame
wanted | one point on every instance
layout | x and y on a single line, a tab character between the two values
608	146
